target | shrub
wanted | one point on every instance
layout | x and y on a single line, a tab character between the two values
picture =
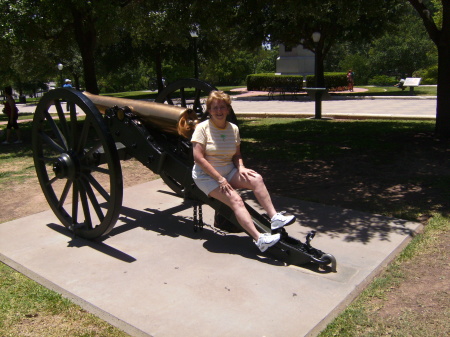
429	75
262	82
383	80
333	81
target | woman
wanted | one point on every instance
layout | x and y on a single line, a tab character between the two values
13	114
350	80
219	169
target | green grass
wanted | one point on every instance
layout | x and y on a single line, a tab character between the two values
394	91
314	139
16	162
356	152
134	94
23	301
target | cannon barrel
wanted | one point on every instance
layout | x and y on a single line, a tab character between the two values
166	118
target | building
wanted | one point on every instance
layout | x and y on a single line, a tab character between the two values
295	61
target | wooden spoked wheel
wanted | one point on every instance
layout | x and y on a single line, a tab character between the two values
188	93
77	163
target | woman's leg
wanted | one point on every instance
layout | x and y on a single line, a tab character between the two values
256	184
234	201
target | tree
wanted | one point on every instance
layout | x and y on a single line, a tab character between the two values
160	30
293	22
440	35
47	25
403	50
22	63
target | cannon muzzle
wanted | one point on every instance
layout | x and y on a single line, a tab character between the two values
166	118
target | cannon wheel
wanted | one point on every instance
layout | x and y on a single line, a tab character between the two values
77	163
176	94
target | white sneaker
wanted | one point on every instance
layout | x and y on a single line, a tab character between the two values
279	220
266	241
18	142
5	142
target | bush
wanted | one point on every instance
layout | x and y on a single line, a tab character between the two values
383	80
262	82
429	75
333	81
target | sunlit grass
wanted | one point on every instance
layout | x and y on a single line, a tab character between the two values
29	309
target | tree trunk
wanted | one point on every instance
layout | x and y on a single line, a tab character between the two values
443	90
158	69
86	37
76	79
441	37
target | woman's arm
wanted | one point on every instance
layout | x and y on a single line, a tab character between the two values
239	163
237	158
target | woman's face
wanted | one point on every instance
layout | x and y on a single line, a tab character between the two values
219	110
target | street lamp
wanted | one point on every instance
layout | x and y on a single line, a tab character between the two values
194	35
60	68
316	37
318	90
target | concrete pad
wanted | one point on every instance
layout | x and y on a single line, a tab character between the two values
155	276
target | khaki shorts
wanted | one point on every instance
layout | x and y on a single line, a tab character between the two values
207	184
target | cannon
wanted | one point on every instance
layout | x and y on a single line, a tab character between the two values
77	159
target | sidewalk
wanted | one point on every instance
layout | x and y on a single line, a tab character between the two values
258	104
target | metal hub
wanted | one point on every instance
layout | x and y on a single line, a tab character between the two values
64	167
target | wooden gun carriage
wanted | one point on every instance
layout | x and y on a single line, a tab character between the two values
77	158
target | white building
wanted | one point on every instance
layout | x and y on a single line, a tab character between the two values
295	61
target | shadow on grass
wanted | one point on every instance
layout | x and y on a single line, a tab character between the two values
393	168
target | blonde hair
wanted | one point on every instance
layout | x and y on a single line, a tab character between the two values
220	96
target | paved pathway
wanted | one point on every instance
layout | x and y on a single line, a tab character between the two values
414	107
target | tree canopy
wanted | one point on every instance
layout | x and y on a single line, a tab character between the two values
133	34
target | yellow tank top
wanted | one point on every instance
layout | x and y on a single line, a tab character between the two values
220	144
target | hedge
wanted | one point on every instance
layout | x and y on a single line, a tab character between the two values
333	81
263	82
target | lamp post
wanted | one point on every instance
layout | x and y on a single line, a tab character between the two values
319	86
60	68
194	35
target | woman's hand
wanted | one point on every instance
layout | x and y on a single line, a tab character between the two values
246	173
224	185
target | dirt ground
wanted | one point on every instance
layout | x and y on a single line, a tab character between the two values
424	289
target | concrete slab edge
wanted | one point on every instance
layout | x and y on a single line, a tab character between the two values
360	288
118	323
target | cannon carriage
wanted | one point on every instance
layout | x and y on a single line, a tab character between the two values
77	158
